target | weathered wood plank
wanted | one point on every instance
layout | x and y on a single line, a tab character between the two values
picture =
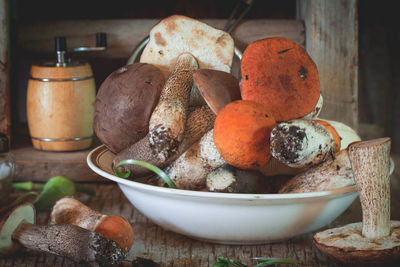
5	119
37	39
170	249
332	41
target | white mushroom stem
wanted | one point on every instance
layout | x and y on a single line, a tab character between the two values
167	123
190	170
370	161
302	143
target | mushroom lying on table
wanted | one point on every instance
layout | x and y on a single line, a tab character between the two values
68	210
17	229
375	241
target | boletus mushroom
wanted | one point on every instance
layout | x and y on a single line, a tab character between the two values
242	134
17	229
218	88
375	241
68	210
281	75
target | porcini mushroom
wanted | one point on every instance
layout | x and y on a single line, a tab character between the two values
167	122
302	143
242	134
375	241
177	34
281	75
199	121
17	229
124	104
218	88
71	211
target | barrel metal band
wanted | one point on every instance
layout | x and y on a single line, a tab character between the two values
60	80
61	139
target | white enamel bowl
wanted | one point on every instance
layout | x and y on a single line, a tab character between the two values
228	218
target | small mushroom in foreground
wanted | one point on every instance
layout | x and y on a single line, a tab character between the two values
17	229
228	179
218	88
375	241
71	211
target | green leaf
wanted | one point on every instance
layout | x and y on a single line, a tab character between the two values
146	165
55	188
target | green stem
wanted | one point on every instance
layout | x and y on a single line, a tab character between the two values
146	165
27	186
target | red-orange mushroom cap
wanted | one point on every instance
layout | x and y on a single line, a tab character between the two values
242	134
281	75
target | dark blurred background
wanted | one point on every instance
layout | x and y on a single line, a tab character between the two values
379	75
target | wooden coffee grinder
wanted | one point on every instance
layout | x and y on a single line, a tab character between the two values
60	101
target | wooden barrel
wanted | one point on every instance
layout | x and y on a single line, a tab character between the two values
60	106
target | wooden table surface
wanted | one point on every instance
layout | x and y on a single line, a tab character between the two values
170	249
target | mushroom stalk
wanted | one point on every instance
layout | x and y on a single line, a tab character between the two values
302	143
167	123
69	241
370	162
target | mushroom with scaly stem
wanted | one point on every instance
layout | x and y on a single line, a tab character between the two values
17	229
71	211
377	239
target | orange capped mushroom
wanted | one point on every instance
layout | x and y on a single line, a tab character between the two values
280	74
241	134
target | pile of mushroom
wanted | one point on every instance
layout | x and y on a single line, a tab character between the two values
209	130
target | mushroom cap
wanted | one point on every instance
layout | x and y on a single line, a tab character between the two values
218	88
280	74
242	133
348	246
177	34
124	104
10	221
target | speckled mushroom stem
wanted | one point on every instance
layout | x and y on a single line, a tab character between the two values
370	161
167	122
70	241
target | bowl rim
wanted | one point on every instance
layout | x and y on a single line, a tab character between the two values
182	192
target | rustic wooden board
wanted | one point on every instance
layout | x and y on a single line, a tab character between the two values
5	119
332	41
170	249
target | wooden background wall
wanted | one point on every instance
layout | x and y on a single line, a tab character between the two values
378	82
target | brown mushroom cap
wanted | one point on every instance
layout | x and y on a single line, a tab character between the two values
347	245
9	222
218	88
124	104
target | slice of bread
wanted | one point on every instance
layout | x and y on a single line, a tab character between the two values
212	48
